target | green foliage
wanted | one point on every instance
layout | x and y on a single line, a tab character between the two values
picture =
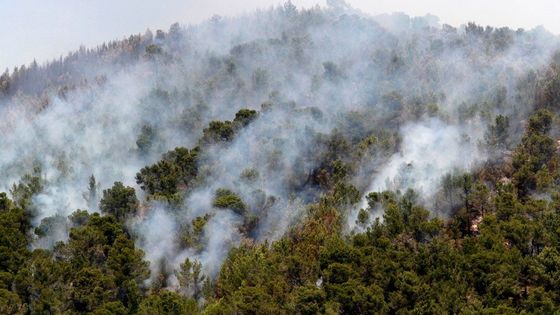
126	262
218	131
79	218
50	224
310	300
191	234
409	263
498	252
190	278
244	117
10	303
535	157
224	131
91	289
167	303
5	203
489	245
363	217
540	122
498	133
175	171
249	175
146	139
91	243
119	201
29	185
14	224
97	271
91	196
111	308
227	199
152	50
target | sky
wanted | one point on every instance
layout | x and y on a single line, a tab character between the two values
46	29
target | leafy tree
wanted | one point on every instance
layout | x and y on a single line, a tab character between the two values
363	217
153	50
191	234
498	133
218	131
29	185
90	244
226	199
190	278
167	303
111	308
176	170
14	225
79	218
51	225
146	139
126	262
10	303
534	154
91	289
5	83
244	117
119	201
310	300
91	196
224	131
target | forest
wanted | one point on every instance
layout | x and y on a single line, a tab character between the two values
286	161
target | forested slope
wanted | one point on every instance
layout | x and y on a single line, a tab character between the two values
288	161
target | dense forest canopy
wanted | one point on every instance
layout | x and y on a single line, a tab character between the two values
288	161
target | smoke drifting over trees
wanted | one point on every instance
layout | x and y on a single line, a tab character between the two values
240	135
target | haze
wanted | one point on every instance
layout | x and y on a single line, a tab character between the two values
47	29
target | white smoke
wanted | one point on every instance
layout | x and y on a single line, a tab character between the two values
317	70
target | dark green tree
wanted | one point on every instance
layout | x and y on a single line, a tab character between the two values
119	201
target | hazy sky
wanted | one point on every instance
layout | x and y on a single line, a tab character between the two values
45	29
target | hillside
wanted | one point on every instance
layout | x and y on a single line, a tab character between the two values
287	161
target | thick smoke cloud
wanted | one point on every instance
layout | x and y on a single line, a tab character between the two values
316	72
429	149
